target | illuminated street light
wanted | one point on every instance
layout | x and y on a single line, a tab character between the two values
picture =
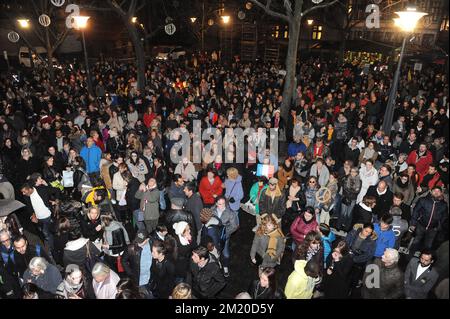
193	19
81	22
24	23
407	22
408	19
134	19
310	21
225	19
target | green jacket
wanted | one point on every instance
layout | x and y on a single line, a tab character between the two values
254	196
149	203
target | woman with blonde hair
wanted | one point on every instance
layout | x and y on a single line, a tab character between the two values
234	191
182	291
269	242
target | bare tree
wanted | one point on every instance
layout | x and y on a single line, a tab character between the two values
292	12
50	37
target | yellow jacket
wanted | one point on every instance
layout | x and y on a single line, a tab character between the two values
299	285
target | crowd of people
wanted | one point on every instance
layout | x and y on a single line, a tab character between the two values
108	215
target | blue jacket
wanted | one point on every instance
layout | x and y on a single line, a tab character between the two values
92	156
295	148
233	189
386	239
327	242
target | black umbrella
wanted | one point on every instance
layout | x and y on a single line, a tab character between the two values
7	206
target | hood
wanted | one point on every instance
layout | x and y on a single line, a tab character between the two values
76	244
359	227
299	266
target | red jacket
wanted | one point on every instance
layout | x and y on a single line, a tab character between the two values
100	144
299	229
435	181
422	164
148	118
207	190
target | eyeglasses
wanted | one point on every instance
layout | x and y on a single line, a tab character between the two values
6	240
272	184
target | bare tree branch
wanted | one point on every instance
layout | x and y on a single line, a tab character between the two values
154	32
270	12
132	8
60	40
308	11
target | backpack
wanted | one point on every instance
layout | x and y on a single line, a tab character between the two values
216	232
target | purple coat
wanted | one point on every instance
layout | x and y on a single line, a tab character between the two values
233	189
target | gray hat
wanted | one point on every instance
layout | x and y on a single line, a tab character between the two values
177	201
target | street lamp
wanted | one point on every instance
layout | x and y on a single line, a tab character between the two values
407	22
310	21
225	19
81	24
193	19
133	19
24	23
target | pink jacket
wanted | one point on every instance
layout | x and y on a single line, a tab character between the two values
299	229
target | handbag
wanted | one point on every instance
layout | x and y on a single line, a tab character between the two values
90	260
67	178
249	207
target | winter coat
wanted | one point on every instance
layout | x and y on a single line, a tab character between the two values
194	205
88	228
175	192
116	237
422	163
189	173
119	185
276	206
208	281
352	155
295	148
229	220
390	282
21	262
362	214
234	192
283	176
384	201
132	189
107	288
260	246
430	212
257	292
386	239
92	156
207	190
138	170
351	187
184	254
163	278
367	249
327	242
340	130
299	228
299	285
48	281
337	285
367	179
407	190
160	175
149	203
75	252
174	216
310	196
255	197
420	287
131	261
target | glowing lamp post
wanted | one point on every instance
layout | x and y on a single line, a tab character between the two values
407	22
81	24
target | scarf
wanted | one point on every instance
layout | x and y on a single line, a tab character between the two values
311	253
401	184
71	289
273	239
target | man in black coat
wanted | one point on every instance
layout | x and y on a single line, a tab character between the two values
177	214
194	205
409	145
206	277
24	252
138	257
351	153
430	216
384	197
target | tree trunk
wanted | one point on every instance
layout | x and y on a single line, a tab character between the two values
291	62
140	54
51	71
342	48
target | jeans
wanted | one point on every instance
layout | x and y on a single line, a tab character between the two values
345	218
44	226
226	253
424	235
162	199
